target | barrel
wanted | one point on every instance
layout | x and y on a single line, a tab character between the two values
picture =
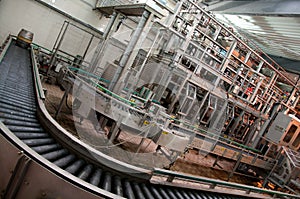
24	38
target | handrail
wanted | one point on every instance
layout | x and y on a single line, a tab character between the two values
214	135
103	89
39	46
118	97
37	80
3	52
215	183
59	55
87	73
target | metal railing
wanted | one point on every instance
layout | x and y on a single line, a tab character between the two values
36	74
4	46
213	183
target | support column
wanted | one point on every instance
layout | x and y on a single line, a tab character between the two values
132	43
59	40
98	54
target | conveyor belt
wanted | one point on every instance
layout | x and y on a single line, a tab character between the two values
18	113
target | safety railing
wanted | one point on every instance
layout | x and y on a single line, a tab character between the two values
60	56
36	74
213	183
101	88
5	46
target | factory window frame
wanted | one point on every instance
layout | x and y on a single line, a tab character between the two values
288	136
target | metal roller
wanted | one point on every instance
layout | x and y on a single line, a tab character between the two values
117	186
25	135
25	128
38	142
85	172
10	84
170	193
19	100
27	96
178	194
16	86
19	123
137	190
55	154
96	177
106	184
21	96
164	193
191	195
128	190
9	112
64	161
16	104
11	107
204	196
155	193
74	168
147	192
46	148
15	117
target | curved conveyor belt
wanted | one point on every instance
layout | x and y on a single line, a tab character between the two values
18	112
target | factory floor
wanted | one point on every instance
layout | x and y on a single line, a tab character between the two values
126	147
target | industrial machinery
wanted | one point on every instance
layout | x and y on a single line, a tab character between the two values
34	147
284	131
210	91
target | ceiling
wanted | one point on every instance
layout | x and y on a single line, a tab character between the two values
271	25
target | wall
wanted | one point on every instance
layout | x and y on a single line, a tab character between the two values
44	22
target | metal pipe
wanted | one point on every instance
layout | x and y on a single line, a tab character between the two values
52	60
129	49
220	183
99	49
60	31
